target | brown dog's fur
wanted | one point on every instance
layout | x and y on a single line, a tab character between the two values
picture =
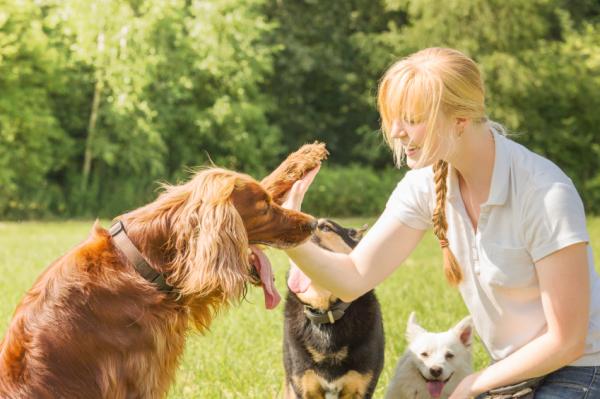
92	327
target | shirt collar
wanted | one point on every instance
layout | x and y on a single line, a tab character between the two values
500	175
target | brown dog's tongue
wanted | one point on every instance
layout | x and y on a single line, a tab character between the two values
263	267
298	282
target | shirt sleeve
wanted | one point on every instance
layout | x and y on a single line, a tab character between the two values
410	201
554	218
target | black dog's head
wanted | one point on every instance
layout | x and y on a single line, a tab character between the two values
331	236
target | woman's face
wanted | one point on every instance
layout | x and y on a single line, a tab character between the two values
411	135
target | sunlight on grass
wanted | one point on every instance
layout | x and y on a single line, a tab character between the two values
241	357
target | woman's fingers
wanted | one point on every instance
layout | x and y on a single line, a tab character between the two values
296	194
307	180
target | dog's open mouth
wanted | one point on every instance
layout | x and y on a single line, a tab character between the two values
262	274
435	387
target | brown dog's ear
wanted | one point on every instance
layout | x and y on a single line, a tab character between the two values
211	246
296	165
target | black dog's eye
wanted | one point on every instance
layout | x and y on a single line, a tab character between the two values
449	355
424	354
325	228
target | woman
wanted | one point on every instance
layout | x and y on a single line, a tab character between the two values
510	223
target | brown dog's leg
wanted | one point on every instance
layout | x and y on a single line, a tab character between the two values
293	169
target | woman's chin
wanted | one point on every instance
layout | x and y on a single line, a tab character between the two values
413	162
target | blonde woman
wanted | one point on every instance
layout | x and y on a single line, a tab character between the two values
510	223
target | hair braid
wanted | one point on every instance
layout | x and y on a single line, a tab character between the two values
440	225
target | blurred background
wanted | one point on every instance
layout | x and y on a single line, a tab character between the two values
101	99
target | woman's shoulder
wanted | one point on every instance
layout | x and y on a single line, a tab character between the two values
421	175
532	170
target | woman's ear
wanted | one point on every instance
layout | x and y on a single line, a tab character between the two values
461	125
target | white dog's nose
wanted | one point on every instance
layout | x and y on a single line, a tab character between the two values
436	371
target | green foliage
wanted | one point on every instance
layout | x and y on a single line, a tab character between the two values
324	85
102	98
350	191
206	87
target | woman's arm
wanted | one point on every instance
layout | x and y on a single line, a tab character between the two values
564	285
383	248
377	255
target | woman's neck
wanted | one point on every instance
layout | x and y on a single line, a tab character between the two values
474	160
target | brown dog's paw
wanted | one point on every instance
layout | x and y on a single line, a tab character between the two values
296	165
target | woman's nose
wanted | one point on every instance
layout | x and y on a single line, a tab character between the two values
397	131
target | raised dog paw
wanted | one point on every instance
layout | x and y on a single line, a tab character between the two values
295	166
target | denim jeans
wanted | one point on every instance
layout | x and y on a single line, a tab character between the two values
569	382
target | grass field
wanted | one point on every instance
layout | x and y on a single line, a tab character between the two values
241	356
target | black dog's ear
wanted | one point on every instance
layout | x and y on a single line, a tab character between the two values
358	234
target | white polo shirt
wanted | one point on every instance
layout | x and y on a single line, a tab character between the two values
533	210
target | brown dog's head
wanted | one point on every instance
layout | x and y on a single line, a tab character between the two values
209	225
330	236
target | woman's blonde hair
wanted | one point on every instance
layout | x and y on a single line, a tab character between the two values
422	88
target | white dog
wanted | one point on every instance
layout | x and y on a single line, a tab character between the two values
434	363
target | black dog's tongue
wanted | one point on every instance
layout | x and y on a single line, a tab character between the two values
263	267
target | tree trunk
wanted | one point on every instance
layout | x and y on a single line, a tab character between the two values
87	157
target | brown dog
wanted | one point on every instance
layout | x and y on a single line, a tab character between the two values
103	323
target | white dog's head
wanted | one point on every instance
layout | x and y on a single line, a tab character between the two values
442	359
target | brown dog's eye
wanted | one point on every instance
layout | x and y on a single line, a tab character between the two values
263	207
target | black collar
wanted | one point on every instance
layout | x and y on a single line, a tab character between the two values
123	243
329	316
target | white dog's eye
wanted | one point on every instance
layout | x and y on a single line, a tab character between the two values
424	354
449	355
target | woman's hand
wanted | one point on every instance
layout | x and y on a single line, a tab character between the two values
294	197
465	389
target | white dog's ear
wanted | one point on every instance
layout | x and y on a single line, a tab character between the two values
413	329
464	331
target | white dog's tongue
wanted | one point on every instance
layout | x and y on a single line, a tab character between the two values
435	388
263	266
297	280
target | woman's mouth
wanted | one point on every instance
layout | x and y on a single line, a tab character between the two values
411	150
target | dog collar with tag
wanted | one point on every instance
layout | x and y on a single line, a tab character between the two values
329	316
128	248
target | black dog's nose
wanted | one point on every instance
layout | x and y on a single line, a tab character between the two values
436	371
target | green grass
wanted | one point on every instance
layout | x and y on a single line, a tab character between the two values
241	356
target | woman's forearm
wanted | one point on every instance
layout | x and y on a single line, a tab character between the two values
539	357
335	271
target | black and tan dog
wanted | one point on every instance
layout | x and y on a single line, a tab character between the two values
331	349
